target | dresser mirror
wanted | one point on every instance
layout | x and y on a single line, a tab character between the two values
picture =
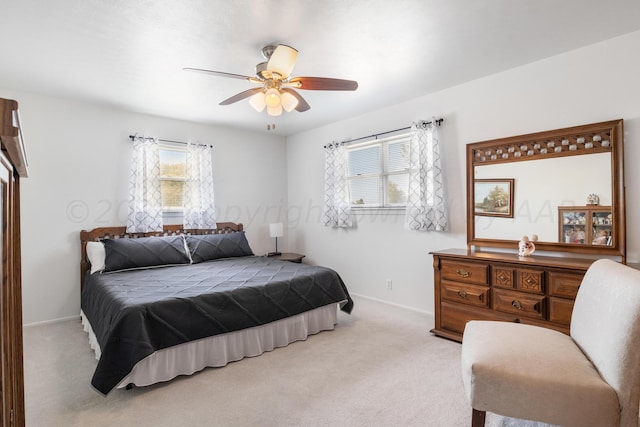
565	186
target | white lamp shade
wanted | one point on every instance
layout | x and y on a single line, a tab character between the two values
274	111
257	102
276	230
289	102
272	97
282	60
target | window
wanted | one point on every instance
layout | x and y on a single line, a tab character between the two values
378	172
173	174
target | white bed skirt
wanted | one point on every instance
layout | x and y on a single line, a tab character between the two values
218	350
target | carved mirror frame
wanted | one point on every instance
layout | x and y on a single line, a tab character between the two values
573	141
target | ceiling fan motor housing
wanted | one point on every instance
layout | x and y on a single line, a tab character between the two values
262	72
268	50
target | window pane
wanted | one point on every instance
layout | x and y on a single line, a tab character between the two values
172	192
173	163
364	160
378	172
398	156
365	191
397	187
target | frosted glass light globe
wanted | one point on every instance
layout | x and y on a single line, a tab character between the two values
272	98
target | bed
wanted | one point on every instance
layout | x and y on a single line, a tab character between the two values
160	305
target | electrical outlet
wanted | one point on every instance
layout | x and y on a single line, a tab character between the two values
389	284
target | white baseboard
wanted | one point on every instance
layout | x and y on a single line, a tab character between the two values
406	307
48	322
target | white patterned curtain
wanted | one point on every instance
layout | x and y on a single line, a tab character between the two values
145	197
199	208
426	209
337	207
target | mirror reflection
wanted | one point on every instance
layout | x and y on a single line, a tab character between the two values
540	188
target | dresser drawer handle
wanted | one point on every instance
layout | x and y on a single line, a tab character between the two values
530	282
517	304
462	294
463	273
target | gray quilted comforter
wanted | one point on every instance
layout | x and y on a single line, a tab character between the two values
135	313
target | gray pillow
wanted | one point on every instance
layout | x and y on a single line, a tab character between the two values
213	246
123	254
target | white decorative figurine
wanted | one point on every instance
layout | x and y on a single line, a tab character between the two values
593	199
526	246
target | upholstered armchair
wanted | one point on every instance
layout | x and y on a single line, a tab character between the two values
591	378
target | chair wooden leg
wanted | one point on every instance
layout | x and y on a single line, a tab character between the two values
477	418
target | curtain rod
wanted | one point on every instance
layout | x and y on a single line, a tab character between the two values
423	123
133	137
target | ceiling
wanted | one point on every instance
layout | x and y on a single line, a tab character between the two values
129	54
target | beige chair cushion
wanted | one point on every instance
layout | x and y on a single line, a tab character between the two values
606	326
534	373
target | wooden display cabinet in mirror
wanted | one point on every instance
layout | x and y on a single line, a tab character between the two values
585	225
554	173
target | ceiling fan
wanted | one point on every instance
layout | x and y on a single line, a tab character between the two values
276	91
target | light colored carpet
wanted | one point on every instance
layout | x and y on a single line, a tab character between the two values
379	367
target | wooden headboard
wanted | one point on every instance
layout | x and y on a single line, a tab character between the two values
121	233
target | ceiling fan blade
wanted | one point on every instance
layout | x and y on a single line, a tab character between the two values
282	60
302	104
218	73
323	83
242	95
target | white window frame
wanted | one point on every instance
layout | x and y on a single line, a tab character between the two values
383	174
175	211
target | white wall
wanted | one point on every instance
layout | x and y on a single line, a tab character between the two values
592	84
78	168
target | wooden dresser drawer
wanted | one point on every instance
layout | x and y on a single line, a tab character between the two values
466	272
564	284
455	316
560	310
530	280
519	303
465	294
502	276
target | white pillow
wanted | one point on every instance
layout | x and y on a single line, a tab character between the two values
96	256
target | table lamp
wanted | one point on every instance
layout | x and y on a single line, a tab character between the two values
275	230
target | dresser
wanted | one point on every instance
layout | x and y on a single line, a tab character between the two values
473	285
13	167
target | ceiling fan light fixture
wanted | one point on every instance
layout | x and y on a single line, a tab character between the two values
288	101
257	101
272	98
282	60
274	111
276	85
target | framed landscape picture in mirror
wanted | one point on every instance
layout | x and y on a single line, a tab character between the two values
493	197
